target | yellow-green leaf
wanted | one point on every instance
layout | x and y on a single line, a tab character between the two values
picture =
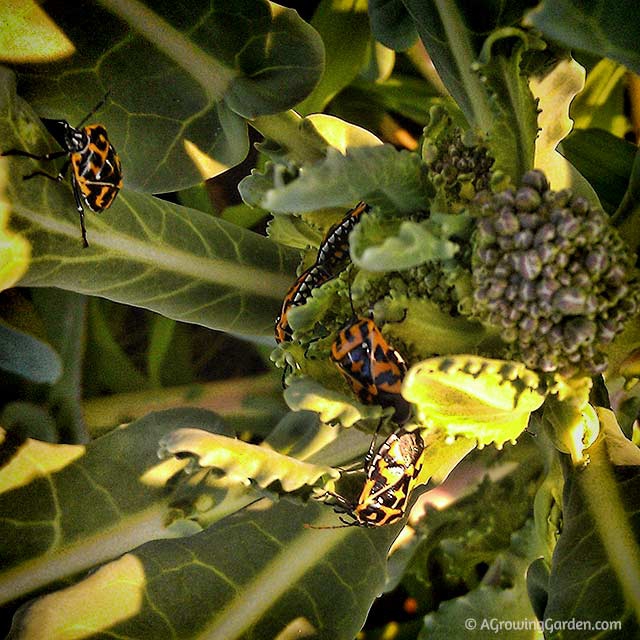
554	93
15	250
487	400
304	393
29	35
242	462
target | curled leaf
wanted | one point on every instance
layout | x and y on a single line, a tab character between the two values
571	421
488	400
554	93
412	244
305	393
242	462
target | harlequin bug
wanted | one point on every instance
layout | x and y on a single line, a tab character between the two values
334	249
298	293
371	366
96	174
391	477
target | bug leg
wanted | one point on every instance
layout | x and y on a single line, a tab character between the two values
25	154
370	454
80	208
59	178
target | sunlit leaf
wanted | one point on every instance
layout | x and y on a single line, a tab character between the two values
489	400
15	250
85	505
295	578
600	104
554	93
29	35
37	459
332	406
242	462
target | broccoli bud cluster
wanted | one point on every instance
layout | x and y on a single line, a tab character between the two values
435	283
553	274
464	168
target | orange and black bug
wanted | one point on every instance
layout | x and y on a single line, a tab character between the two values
334	249
391	477
371	366
298	293
96	174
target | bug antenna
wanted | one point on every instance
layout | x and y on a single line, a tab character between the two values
96	108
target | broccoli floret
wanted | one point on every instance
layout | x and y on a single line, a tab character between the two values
459	164
553	274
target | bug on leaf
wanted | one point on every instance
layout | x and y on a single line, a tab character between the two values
371	366
334	249
392	474
96	171
297	295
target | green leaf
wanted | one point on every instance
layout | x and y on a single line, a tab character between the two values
28	420
453	34
344	28
410	97
259	574
243	215
409	245
162	332
604	29
150	253
242	462
179	262
489	400
40	40
594	572
495	606
600	105
197	73
66	508
114	370
514	127
28	357
304	393
426	329
590	150
380	175
538	586
392	24
64	316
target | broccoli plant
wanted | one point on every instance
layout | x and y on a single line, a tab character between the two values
352	348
